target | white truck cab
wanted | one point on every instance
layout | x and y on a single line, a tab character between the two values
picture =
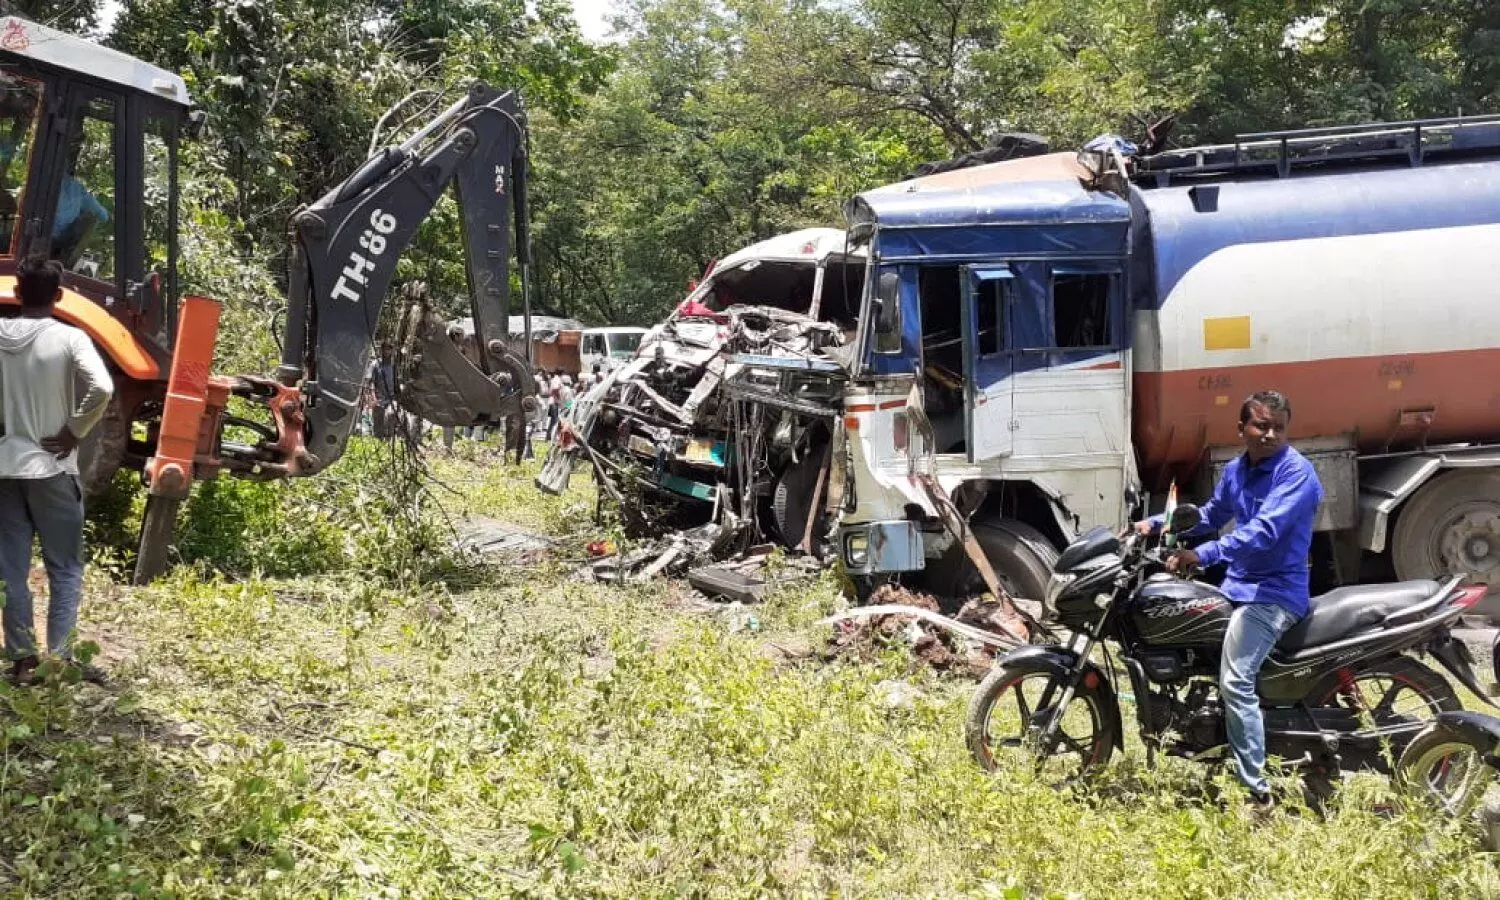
609	347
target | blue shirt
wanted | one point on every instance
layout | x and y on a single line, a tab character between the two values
73	201
1272	504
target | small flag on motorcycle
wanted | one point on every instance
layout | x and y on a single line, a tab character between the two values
1168	538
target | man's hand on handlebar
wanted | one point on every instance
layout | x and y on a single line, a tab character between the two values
1182	560
1144	528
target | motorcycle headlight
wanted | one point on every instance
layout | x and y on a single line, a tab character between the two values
1055	586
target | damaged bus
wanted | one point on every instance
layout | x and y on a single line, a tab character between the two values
729	412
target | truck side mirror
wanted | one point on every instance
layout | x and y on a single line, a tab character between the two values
888	313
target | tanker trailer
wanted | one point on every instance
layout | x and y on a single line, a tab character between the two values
1047	338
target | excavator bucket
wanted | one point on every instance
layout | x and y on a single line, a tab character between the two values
438	382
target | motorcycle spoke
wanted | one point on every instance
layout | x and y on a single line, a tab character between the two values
1073	745
1022	706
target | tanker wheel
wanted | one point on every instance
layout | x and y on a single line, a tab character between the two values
1451	527
158	526
1021	556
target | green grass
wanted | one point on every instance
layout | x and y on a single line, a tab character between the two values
532	734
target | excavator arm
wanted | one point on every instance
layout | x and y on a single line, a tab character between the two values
345	248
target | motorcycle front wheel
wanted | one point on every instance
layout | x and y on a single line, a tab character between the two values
1014	705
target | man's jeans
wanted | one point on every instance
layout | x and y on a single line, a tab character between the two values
1254	630
51	508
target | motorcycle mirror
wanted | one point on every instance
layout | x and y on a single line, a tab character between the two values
1185	518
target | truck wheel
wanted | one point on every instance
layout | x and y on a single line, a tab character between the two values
1451	527
1021	555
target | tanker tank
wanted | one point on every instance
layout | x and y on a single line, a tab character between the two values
1370	297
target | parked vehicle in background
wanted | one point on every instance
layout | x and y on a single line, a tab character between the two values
1046	341
608	348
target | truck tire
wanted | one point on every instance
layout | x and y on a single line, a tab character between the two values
1451	527
1021	555
102	450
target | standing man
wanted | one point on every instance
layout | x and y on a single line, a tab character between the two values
382	380
1271	493
55	388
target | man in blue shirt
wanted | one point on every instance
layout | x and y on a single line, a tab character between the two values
1271	493
74	201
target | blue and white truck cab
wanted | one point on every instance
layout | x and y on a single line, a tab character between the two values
1003	287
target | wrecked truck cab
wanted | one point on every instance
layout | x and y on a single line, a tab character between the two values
815	272
990	378
729	411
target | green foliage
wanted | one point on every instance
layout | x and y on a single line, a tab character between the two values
375	514
544	736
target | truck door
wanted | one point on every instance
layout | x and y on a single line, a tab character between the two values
989	365
1069	398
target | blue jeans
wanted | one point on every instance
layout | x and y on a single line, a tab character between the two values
52	509
1254	630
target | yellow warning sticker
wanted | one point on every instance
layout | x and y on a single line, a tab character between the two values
1226	333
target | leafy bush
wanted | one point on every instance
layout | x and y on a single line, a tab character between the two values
371	512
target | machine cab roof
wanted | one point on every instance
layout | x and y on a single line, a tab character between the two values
88	177
48	46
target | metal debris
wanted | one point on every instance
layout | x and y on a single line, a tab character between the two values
912	620
728	418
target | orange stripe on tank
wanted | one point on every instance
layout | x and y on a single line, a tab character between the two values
1456	394
107	331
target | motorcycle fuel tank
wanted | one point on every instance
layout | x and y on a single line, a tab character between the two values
1169	611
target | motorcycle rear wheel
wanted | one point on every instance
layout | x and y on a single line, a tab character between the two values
1006	717
1441	769
1397	691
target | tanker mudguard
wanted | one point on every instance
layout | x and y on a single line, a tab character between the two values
1061	661
344	254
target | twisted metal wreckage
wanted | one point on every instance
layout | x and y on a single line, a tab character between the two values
729	411
729	421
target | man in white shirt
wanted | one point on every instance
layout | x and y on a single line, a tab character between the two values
53	389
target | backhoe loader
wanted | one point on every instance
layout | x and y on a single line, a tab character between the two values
89	142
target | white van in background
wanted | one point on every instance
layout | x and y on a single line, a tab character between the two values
609	346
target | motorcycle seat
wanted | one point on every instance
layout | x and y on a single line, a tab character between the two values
1349	610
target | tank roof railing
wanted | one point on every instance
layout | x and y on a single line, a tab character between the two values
1283	152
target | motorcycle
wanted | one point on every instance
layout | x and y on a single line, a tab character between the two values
1450	766
1343	690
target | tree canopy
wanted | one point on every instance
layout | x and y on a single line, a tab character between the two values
707	124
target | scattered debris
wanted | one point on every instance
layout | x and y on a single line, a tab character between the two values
896	694
900	616
500	540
